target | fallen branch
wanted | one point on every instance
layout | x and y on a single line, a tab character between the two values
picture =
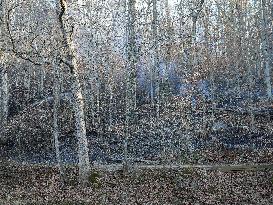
255	111
64	96
224	167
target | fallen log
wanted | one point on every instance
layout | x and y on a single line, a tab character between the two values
136	167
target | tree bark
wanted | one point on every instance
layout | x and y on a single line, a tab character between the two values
265	47
41	82
4	93
131	77
3	66
155	93
56	104
78	104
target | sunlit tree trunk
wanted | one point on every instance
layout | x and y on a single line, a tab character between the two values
78	102
84	164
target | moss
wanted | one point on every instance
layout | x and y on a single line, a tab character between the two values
188	171
94	179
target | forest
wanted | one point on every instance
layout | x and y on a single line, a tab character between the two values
136	102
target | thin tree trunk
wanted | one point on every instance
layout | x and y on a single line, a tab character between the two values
111	107
192	60
27	81
211	78
56	104
250	64
41	82
265	46
98	101
131	78
4	95
4	86
155	71
91	98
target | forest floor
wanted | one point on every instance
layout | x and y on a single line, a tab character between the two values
36	184
249	180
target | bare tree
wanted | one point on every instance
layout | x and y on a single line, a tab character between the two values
155	82
265	47
4	58
78	104
56	104
131	75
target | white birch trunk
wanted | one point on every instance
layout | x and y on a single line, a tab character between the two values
78	104
84	164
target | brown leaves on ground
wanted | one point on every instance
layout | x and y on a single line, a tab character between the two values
41	185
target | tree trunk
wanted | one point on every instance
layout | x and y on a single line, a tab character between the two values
4	94
84	164
3	69
56	104
78	104
41	82
192	65
131	77
265	47
155	93
27	81
91	98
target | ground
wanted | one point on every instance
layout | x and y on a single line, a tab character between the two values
235	141
25	184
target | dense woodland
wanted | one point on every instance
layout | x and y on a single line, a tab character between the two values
136	82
